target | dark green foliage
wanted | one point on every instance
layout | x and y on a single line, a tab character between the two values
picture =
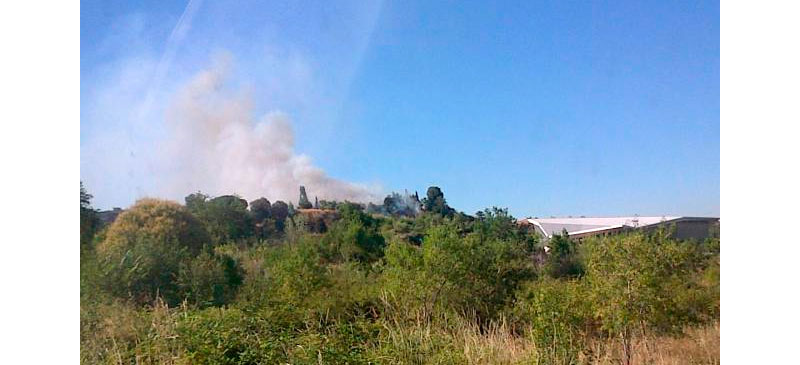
329	205
465	274
145	271
152	250
209	279
404	230
563	259
232	336
261	213
85	198
196	201
314	223
226	217
89	220
260	209
477	273
303	203
389	202
347	206
434	202
355	236
279	212
497	223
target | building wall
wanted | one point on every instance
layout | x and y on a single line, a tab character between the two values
690	228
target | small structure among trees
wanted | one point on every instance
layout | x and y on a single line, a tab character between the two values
303	203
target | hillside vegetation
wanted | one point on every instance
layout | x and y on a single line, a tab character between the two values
221	281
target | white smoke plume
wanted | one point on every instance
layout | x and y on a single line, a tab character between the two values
215	145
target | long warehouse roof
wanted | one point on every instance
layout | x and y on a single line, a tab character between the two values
551	226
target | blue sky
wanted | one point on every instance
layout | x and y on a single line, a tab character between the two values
547	108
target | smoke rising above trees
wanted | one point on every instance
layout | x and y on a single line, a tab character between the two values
215	144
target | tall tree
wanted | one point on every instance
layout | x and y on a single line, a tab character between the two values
279	211
389	204
434	202
260	209
85	198
89	219
196	201
226	217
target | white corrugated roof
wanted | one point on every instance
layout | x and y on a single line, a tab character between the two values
552	226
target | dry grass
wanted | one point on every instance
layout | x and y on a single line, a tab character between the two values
119	333
465	343
495	345
699	345
460	342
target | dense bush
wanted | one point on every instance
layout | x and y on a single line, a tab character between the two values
225	217
446	289
230	336
563	260
296	272
157	220
152	251
89	220
556	315
646	283
471	274
209	279
233	336
355	236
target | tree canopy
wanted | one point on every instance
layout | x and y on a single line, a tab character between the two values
226	217
434	202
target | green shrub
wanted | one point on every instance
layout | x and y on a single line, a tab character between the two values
209	279
445	290
295	271
462	274
711	279
231	336
151	251
563	260
355	236
556	316
158	221
226	217
147	269
645	284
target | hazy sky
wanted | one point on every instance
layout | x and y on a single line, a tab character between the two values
547	108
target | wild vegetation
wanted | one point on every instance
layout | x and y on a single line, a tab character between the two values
221	281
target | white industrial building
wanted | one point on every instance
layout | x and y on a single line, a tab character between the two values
579	228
